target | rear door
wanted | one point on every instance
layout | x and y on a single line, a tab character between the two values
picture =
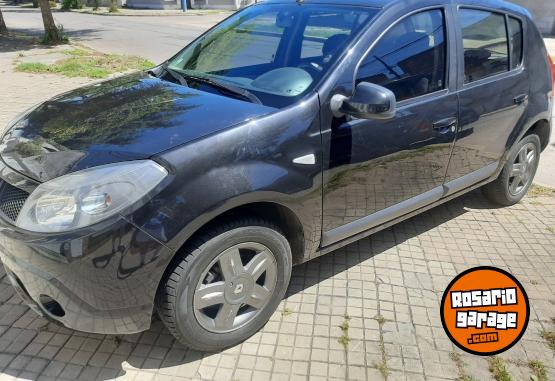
493	93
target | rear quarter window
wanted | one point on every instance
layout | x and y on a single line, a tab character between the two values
515	36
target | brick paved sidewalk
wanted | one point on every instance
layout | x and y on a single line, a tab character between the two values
389	286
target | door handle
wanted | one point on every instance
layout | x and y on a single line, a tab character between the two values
520	99
445	125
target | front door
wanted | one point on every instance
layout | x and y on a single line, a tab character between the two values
381	169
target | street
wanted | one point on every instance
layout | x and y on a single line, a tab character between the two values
154	37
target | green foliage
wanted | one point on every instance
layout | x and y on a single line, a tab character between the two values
345	339
76	52
84	64
538	369
549	337
71	4
383	368
498	369
287	311
539	191
457	359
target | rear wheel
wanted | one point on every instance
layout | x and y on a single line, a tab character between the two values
226	287
517	175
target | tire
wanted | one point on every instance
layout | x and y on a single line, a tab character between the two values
503	191
207	274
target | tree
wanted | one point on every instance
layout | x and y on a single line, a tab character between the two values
3	28
51	33
114	6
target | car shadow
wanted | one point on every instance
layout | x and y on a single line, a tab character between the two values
104	357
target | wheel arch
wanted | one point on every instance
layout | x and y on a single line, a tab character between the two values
542	128
280	215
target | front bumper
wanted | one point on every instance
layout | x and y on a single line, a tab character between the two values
104	279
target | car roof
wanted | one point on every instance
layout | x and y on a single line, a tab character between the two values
495	4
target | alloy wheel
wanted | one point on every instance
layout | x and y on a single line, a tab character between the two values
522	170
235	287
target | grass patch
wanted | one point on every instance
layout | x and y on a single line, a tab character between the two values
538	369
76	52
539	191
82	63
383	368
535	202
457	359
498	369
549	337
345	339
381	320
466	377
551	230
287	311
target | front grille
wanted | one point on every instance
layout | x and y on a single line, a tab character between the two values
11	200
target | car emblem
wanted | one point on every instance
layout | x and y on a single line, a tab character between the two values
238	288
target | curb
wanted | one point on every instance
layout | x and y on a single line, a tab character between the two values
124	14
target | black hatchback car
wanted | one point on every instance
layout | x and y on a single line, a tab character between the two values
288	130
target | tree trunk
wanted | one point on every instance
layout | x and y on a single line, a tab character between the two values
114	6
51	34
3	28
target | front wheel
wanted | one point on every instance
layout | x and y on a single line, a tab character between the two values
517	175
226	288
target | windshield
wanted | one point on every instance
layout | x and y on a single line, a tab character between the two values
276	52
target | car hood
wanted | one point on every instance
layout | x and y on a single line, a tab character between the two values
128	118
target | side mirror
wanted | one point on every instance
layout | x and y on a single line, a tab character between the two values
370	101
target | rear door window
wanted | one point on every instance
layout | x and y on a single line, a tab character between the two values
485	43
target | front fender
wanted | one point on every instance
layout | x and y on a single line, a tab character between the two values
254	163
223	189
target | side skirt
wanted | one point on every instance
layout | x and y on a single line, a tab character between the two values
419	204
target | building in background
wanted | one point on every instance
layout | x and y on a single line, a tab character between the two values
196	4
543	12
221	4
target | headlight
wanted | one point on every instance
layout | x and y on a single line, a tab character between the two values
83	198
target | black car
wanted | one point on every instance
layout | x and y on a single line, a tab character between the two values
288	130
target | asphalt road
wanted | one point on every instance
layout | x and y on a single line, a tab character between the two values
153	37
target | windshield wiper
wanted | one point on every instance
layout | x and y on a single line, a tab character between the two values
161	70
177	75
226	87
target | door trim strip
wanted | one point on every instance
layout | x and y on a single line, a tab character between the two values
382	216
472	178
412	204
